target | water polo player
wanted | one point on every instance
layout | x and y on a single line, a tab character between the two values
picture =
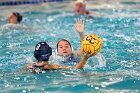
66	55
64	52
14	18
80	8
42	54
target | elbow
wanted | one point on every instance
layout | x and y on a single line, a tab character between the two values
78	67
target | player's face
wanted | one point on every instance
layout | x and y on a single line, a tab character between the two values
79	8
64	49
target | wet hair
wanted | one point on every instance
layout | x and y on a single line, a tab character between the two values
63	40
18	15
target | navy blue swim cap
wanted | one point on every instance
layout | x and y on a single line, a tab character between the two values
42	51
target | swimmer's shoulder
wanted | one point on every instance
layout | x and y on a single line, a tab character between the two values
14	26
33	68
30	65
7	26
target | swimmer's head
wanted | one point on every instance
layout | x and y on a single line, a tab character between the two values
80	6
42	51
14	18
64	48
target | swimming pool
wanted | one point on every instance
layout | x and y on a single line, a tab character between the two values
119	28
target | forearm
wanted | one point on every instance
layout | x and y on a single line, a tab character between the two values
81	63
56	67
79	26
81	35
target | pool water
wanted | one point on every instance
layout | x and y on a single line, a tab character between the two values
119	29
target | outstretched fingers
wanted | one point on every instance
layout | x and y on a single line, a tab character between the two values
79	21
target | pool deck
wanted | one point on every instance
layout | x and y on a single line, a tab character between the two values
69	4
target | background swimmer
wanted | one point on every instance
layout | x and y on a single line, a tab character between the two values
80	8
42	54
14	18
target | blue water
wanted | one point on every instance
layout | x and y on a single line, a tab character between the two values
119	30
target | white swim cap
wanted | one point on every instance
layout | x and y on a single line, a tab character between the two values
80	1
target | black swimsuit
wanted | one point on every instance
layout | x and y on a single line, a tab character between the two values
38	69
